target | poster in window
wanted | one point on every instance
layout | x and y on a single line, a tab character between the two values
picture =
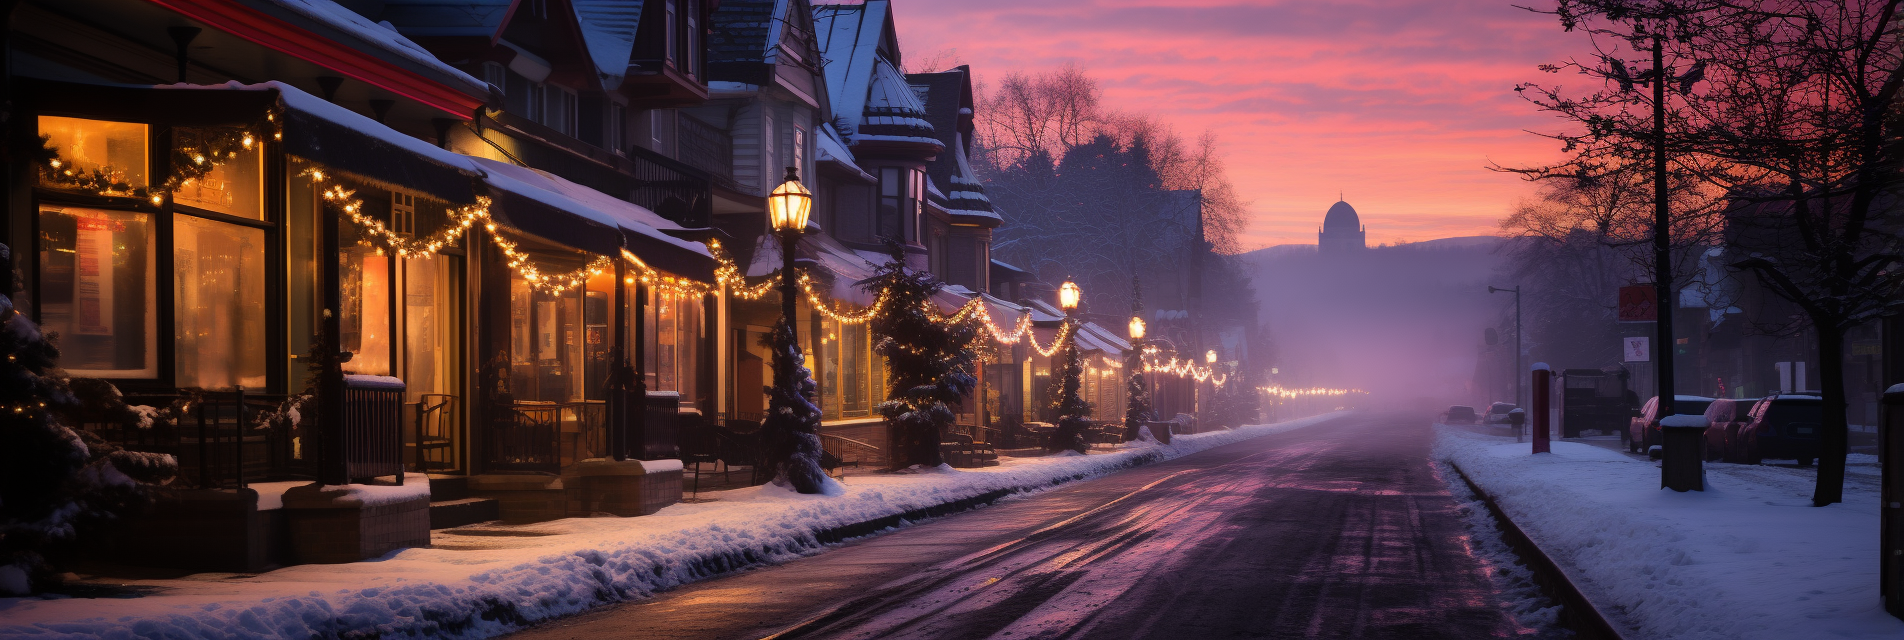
92	281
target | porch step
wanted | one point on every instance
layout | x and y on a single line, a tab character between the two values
444	488
455	513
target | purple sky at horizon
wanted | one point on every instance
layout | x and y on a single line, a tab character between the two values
1398	105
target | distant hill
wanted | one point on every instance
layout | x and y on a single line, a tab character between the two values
1462	242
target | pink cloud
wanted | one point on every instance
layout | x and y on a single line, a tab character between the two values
1399	105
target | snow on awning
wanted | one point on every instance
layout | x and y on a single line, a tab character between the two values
580	217
581	210
376	38
312	128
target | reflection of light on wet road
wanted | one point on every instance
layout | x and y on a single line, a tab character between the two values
1339	532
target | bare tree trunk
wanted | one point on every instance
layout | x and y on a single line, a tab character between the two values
1834	439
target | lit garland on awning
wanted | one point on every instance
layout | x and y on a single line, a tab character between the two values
1312	391
1182	368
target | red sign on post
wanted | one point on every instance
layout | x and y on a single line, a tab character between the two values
1638	303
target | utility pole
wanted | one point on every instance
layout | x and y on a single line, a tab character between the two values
1519	375
1662	236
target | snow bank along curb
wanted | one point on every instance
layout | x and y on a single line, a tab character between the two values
479	581
1578	612
1750	558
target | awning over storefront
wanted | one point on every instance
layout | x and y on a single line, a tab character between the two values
564	212
347	141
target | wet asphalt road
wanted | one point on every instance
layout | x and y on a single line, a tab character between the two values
1339	530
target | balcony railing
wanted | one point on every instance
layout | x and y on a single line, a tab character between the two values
707	147
373	427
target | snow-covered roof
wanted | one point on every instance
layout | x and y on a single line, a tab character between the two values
376	37
893	112
832	149
849	38
608	30
585	202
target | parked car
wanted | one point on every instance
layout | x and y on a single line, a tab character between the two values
1497	412
1784	427
1725	418
1459	414
1643	432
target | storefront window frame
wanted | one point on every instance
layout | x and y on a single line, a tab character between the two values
161	137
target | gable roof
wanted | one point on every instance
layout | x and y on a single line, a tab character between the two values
608	31
948	108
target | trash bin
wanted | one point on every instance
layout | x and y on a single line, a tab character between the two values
1891	520
1682	453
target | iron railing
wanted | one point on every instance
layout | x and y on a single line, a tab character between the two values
217	438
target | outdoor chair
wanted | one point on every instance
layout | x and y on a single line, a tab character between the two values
435	422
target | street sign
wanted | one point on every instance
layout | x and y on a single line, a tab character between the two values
1636	349
1638	304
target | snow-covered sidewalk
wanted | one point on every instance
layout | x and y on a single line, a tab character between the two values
1747	558
483	580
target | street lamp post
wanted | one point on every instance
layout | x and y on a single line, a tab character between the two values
790	432
787	209
1072	411
1518	401
1136	406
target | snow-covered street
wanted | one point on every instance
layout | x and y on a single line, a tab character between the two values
482	580
1339	530
1748	558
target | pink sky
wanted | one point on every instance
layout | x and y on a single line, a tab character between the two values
1399	105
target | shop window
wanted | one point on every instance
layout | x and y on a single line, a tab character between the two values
848	388
95	156
546	358
598	317
219	172
364	319
98	290
432	321
218	304
674	335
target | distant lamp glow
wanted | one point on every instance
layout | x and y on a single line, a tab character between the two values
1210	357
1068	295
790	203
1137	328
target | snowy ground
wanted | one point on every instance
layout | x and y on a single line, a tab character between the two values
1748	558
487	579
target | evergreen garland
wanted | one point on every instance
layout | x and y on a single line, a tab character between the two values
791	431
929	364
55	482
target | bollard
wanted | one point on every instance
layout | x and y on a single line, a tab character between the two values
1891	518
1542	435
1518	419
1682	453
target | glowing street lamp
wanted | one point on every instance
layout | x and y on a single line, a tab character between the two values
1068	295
789	205
1210	357
1136	329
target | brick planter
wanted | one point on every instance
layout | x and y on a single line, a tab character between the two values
629	487
334	524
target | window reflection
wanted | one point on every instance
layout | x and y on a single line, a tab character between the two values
232	184
219	298
95	155
98	291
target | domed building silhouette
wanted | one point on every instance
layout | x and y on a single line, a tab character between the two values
1342	230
